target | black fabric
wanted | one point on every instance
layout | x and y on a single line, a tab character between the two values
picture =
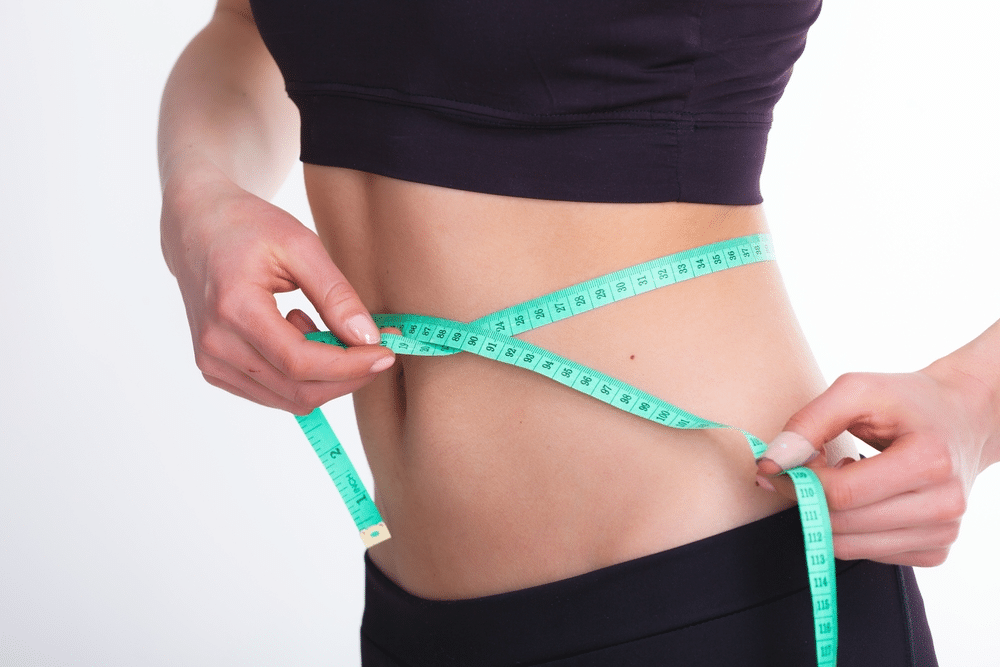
580	100
738	598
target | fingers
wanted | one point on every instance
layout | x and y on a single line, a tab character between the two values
281	344
271	363
905	504
327	289
900	471
904	468
285	370
247	343
922	546
904	523
901	525
235	253
862	403
937	506
243	372
263	396
845	403
916	558
788	450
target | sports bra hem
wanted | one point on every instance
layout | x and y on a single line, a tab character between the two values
621	159
493	115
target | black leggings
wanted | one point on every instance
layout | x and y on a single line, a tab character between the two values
737	598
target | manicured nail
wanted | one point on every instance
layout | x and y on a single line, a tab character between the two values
789	450
364	328
765	483
382	364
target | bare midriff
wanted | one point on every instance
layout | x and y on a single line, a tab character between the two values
492	478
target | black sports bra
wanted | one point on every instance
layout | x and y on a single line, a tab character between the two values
579	100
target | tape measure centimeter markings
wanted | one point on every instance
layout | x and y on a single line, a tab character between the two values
629	282
453	337
596	292
345	477
820	564
490	337
428	336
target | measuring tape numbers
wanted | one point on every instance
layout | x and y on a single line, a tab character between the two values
492	337
338	465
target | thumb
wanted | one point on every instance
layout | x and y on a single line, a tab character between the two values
335	300
828	415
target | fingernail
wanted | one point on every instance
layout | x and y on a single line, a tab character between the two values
364	328
789	450
382	364
843	462
765	483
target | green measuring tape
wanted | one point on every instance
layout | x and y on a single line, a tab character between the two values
492	337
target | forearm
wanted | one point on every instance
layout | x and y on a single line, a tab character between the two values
224	113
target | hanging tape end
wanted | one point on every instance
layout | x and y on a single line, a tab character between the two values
372	535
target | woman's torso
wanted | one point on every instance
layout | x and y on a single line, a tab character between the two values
492	478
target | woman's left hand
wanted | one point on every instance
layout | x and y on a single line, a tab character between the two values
936	429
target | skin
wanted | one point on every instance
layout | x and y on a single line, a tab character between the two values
492	478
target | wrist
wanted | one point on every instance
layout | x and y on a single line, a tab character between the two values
184	176
192	186
972	373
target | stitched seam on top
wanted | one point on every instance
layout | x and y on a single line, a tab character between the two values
681	148
905	599
445	104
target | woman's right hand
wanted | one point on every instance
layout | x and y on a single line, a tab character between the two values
231	252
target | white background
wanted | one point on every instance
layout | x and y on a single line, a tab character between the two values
148	519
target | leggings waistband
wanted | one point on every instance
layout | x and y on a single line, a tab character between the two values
714	577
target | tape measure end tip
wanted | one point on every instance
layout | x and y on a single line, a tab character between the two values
373	535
